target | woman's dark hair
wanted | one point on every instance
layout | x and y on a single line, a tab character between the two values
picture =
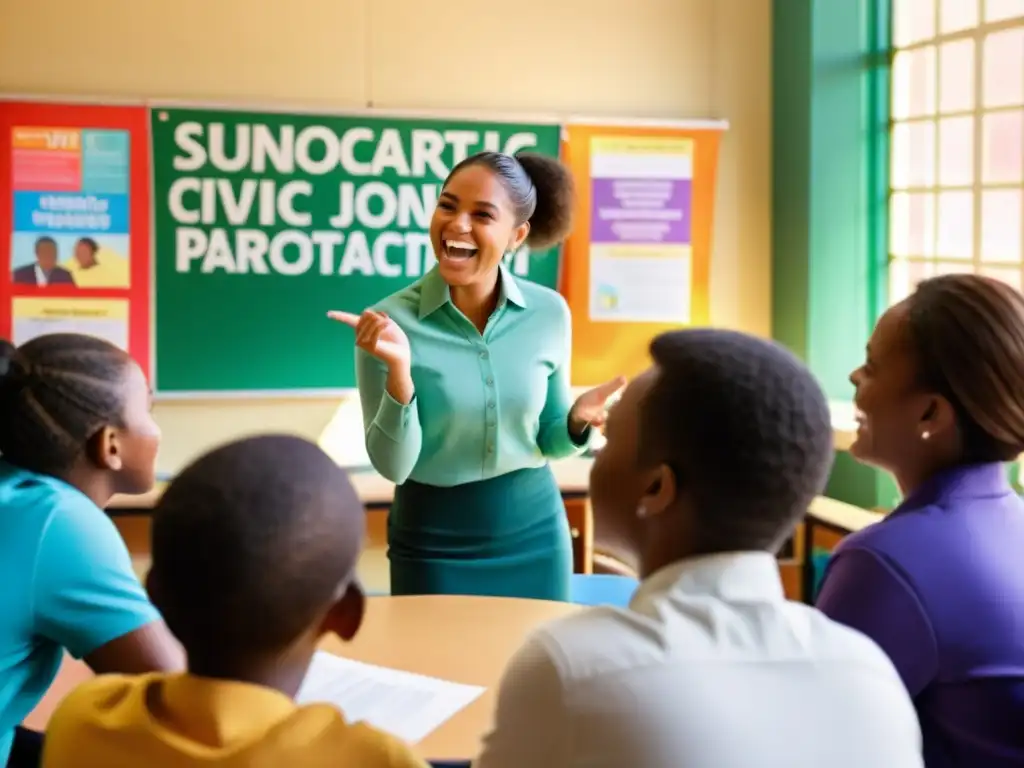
541	189
968	335
56	393
91	244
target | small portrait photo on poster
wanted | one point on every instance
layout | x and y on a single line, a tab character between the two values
71	208
84	260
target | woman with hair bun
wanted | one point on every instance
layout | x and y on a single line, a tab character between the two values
464	384
939	584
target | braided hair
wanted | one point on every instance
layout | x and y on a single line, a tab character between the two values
56	393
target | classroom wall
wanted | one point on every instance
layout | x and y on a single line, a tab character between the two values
655	58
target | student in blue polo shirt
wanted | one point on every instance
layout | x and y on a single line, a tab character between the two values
75	429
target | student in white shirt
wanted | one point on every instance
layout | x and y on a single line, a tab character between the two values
713	456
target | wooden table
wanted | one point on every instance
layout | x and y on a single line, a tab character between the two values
462	639
573	475
376	493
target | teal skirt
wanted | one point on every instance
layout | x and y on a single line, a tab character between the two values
504	537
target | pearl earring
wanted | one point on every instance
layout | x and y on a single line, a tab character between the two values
925	435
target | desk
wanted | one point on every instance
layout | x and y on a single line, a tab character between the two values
376	493
573	475
836	516
429	635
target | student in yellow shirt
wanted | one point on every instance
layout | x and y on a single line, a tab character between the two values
96	267
254	551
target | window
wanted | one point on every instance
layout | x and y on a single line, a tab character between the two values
956	200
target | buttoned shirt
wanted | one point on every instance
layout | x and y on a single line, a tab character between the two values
486	403
709	667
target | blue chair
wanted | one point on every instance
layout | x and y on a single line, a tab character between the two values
819	562
602	589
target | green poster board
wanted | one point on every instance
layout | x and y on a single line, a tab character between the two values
264	221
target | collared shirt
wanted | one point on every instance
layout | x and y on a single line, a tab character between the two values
177	721
67	583
42	277
710	667
939	585
485	404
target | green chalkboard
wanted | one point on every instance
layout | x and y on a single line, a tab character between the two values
263	221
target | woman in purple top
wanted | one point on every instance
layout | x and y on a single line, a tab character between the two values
939	584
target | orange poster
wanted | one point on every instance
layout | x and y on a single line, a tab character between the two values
638	261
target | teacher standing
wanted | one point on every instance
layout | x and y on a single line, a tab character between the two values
464	383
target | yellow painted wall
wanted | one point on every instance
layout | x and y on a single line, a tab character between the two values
627	58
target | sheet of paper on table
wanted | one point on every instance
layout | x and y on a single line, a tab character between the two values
403	704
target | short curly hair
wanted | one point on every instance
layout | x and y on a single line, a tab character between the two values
745	427
541	189
250	543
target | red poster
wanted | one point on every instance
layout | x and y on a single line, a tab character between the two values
74	223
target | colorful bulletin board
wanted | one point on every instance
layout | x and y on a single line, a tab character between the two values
262	221
265	220
638	261
74	223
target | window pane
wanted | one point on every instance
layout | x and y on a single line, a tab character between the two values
1001	212
913	20
956	76
912	224
1007	275
997	10
1004	68
913	155
918	271
956	225
953	268
913	83
899	280
1003	147
904	275
955	15
956	151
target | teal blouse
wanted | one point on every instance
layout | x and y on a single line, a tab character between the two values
67	583
485	404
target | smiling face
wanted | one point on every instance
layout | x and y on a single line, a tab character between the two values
85	254
896	417
473	226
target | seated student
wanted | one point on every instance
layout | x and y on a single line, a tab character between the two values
254	554
939	583
75	429
712	458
